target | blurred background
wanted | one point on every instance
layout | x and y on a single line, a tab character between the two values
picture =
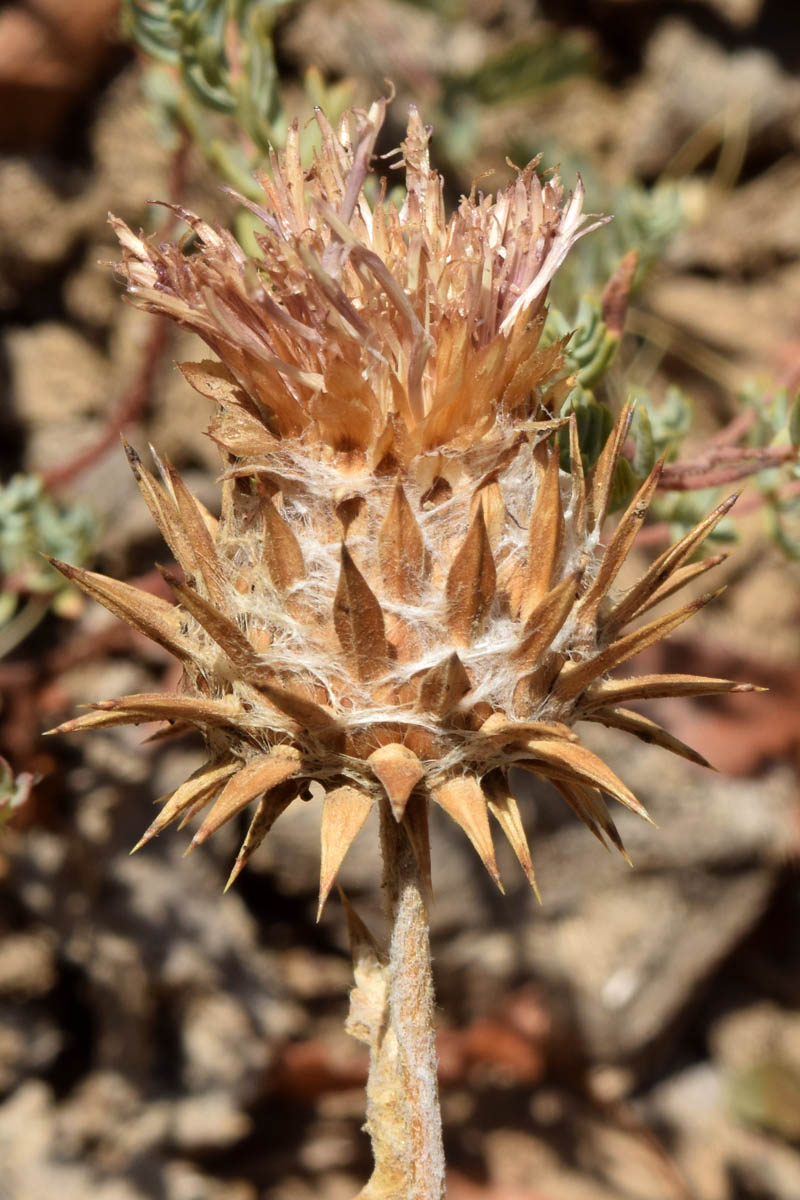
638	1036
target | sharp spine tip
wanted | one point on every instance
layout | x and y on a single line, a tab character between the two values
168	576
708	597
494	874
132	456
236	871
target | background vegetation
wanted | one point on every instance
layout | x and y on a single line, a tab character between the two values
640	1035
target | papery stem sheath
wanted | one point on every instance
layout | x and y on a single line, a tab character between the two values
403	1116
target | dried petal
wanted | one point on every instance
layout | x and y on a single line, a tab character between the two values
463	801
358	620
283	556
591	808
579	765
672	558
575	677
225	633
578	516
647	731
490	497
401	550
545	622
399	770
503	807
505	729
148	614
201	785
163	512
296	706
269	809
344	812
656	687
606	466
155	706
443	686
213	380
618	548
545	538
471	584
678	580
260	775
205	552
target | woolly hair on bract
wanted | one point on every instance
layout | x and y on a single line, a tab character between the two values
405	595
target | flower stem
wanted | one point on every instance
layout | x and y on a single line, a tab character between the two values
403	1117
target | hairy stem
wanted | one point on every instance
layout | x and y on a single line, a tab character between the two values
403	1118
411	1007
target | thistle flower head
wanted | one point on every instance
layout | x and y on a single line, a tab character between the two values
405	595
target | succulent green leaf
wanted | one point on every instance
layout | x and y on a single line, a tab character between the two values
32	524
644	455
794	421
595	423
525	67
14	790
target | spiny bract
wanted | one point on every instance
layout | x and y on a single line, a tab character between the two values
404	595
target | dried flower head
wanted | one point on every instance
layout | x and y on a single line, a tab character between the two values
405	595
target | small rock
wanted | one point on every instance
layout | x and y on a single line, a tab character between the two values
208	1121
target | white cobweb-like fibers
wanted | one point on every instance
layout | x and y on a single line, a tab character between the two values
302	639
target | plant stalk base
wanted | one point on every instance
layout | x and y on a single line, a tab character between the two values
391	1010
